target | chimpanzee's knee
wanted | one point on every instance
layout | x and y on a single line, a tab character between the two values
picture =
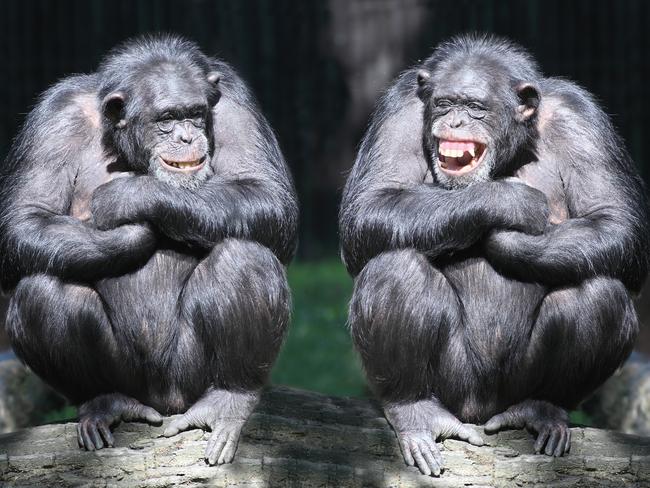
61	331
239	302
582	335
401	314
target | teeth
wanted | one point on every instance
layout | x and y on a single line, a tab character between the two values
183	164
454	149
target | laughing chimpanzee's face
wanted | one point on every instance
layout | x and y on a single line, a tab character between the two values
476	119
164	123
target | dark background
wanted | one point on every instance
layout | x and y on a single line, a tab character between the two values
317	67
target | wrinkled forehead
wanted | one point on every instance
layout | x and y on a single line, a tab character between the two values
470	77
171	85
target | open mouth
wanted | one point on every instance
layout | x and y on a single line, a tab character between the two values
185	166
459	157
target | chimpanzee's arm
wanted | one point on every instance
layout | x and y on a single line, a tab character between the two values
391	202
36	188
250	196
607	232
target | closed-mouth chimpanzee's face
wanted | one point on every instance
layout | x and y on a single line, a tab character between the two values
469	121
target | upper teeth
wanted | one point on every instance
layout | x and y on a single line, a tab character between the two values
455	149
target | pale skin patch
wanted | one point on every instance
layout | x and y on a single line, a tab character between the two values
97	171
88	105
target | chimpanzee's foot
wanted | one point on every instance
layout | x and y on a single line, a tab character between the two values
224	413
97	416
550	423
418	425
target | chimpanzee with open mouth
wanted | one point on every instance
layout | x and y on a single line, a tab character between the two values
496	229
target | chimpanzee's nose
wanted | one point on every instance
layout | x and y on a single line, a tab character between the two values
185	134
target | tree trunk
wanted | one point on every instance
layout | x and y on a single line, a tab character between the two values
298	438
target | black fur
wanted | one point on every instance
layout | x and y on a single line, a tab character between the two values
157	285
476	293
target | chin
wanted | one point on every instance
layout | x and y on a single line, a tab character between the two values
456	181
190	180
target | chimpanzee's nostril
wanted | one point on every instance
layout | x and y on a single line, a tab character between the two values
186	138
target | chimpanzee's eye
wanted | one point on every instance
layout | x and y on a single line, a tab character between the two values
475	106
442	103
166	125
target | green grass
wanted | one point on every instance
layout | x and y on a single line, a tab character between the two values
318	354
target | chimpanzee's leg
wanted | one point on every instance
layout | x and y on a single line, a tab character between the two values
62	332
582	334
403	316
238	301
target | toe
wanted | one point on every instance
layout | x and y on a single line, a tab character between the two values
106	433
228	451
177	425
496	423
542	437
561	445
553	440
420	462
468	435
406	452
433	457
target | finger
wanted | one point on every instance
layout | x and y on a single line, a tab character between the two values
419	459
106	433
406	452
176	426
94	435
467	434
228	452
561	445
553	439
87	441
542	436
567	447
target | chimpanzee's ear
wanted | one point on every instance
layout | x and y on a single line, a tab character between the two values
423	76
214	77
113	108
529	98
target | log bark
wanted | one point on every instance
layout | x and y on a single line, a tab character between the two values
299	438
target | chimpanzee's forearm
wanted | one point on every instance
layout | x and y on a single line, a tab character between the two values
36	241
264	211
573	251
434	220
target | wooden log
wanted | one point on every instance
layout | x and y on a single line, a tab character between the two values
299	438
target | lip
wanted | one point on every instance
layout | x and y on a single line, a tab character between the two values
168	165
462	156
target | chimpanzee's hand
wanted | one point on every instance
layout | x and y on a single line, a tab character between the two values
527	208
117	202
